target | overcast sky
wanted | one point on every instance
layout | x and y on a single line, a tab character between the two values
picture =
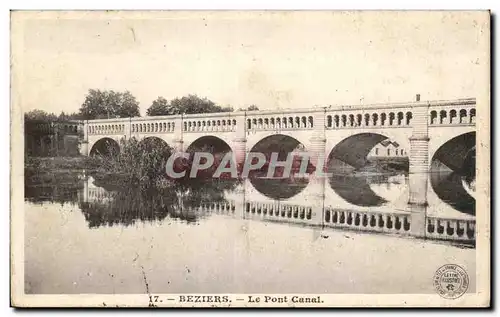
272	60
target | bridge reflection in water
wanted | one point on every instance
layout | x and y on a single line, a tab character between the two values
377	204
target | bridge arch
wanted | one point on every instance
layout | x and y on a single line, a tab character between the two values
455	152
105	147
278	188
209	143
302	137
352	151
452	172
283	142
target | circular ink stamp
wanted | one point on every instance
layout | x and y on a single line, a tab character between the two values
451	281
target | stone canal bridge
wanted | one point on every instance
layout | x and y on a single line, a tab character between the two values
443	130
432	131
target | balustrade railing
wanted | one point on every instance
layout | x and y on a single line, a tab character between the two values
458	112
208	125
106	128
279	212
280	123
386	222
451	229
161	126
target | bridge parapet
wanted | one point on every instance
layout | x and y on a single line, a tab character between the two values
284	121
208	125
281	212
220	207
153	126
98	194
385	222
107	126
451	229
385	117
460	112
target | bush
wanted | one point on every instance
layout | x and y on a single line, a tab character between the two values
137	162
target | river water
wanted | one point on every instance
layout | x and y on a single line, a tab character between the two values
85	236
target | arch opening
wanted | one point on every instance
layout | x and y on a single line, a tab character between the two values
368	169
279	187
453	172
367	151
105	147
211	144
208	144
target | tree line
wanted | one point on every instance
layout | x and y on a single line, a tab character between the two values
107	104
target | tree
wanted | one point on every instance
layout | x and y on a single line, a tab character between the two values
109	104
188	105
69	117
249	108
159	107
39	115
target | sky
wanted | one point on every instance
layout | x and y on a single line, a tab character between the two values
270	59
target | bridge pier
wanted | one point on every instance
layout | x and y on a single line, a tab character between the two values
178	145
239	201
240	152
317	180
419	166
84	145
127	129
316	199
239	145
178	134
83	193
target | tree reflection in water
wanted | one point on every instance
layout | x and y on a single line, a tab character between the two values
125	205
57	187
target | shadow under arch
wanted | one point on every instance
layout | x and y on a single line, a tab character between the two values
457	151
355	190
349	156
452	167
209	143
278	188
353	150
105	147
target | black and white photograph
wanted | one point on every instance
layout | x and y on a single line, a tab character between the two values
250	158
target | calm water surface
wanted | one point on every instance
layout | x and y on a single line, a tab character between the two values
84	236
